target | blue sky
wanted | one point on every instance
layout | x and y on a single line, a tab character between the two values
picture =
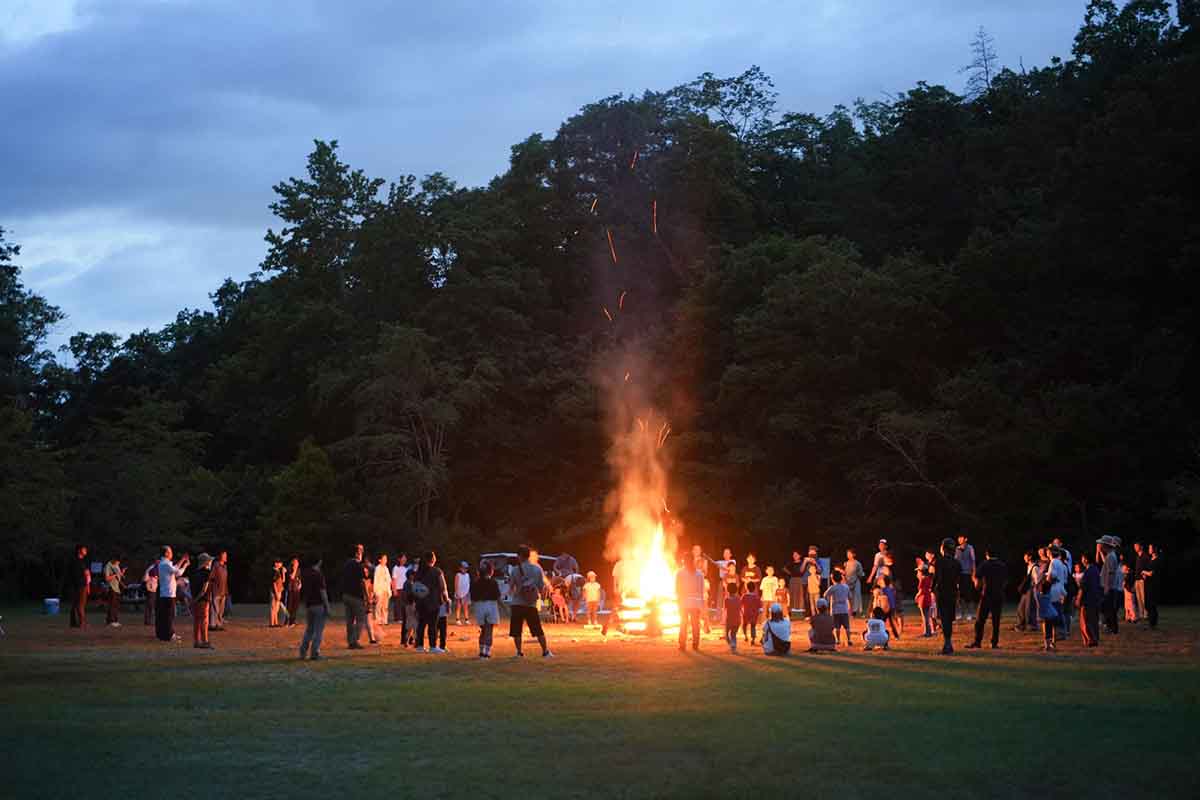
141	138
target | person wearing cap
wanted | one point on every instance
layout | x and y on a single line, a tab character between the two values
777	633
201	600
462	594
1110	580
880	560
821	638
946	579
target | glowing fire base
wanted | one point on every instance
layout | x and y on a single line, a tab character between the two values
658	616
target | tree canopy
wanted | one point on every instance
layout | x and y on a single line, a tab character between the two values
907	317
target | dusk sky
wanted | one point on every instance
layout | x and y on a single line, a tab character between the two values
141	138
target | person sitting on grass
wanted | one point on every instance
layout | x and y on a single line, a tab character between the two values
1047	613
733	615
821	638
876	634
777	633
751	605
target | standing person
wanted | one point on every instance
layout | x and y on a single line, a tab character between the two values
925	600
485	597
114	578
706	614
168	577
462	593
1047	612
689	592
382	584
79	582
751	573
1140	565
723	565
1070	561
838	597
877	564
429	589
1110	580
591	596
989	579
295	584
1091	600
219	578
1128	579
354	596
964	554
795	577
854	572
813	585
201	601
316	610
527	579
398	578
733	615
946	575
1151	576
769	587
751	605
1026	608
278	581
150	590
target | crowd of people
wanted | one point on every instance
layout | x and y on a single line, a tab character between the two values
756	604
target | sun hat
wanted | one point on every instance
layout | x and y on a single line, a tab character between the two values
204	558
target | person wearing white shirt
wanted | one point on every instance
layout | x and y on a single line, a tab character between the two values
168	576
462	594
381	580
777	633
723	565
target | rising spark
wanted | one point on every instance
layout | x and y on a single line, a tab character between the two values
633	162
621	302
605	310
611	249
654	216
594	201
627	377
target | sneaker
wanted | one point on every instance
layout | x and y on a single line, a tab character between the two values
356	646
438	650
973	646
114	624
995	646
303	656
317	657
547	654
518	654
420	650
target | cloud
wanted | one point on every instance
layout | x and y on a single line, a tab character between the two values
169	121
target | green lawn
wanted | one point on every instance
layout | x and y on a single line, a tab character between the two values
113	712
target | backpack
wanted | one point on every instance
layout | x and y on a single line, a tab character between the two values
526	589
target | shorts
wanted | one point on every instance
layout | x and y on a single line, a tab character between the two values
527	615
841	621
486	612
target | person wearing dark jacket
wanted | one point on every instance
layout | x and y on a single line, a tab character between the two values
79	581
1151	576
485	601
990	577
945	588
430	590
201	601
1091	598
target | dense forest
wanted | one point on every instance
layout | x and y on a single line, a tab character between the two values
911	317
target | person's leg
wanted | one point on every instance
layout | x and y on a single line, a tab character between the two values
980	621
1139	590
309	624
946	614
683	630
159	621
442	624
997	607
170	615
696	614
319	630
148	610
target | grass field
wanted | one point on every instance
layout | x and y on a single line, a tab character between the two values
113	712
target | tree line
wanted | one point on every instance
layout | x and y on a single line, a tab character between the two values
908	317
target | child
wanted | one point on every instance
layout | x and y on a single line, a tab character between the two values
813	584
443	615
559	600
733	615
485	596
925	599
462	594
769	587
751	606
876	634
1058	597
1047	613
838	596
1127	583
782	597
591	596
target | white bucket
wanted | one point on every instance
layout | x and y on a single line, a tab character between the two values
50	605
